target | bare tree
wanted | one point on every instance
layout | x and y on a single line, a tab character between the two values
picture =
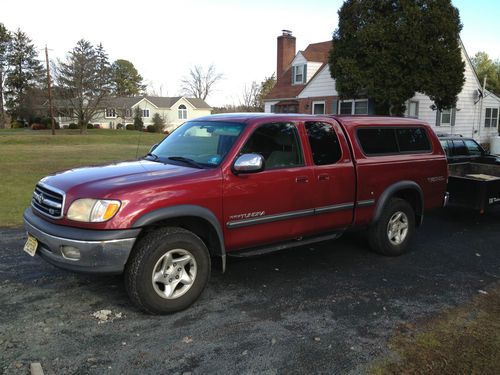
250	98
85	81
199	83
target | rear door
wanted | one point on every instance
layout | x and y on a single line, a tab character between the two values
275	204
334	175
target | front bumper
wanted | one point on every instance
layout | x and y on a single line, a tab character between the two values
101	251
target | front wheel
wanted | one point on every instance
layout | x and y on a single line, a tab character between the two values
393	232
167	271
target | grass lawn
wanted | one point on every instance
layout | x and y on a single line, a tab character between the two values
26	156
463	340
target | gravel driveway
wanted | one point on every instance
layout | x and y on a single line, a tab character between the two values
328	308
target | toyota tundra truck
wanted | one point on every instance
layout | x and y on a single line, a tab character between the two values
241	185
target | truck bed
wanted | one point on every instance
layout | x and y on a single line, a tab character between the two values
474	185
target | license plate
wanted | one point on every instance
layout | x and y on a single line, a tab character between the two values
31	245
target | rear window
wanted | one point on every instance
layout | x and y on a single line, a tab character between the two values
383	141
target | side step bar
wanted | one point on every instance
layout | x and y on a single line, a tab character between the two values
255	251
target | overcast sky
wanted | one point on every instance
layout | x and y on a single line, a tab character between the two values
163	39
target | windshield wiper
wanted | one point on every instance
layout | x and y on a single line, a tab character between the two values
188	161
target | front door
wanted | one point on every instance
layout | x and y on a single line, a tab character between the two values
275	204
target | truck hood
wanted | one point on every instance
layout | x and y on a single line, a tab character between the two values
113	177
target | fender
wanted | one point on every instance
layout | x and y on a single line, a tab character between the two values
185	210
394	189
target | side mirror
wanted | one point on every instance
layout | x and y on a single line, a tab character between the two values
248	163
153	147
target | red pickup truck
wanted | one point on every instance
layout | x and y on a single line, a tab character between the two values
237	184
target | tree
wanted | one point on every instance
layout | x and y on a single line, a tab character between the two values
486	68
126	79
388	50
24	73
200	83
138	123
250	98
5	44
265	88
158	123
84	80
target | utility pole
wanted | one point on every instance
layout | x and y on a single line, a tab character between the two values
50	92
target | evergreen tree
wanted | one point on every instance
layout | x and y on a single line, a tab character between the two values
5	42
126	79
486	68
158	123
388	50
25	72
138	123
84	80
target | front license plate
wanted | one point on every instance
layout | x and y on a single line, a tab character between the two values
31	245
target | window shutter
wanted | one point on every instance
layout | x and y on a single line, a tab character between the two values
294	73
304	76
438	117
453	116
335	107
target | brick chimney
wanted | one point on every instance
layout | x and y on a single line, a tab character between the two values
286	52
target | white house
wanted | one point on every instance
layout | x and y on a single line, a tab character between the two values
121	110
304	85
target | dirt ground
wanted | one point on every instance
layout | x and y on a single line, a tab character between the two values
328	308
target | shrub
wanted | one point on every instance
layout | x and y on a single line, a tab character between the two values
97	126
73	126
36	126
65	126
17	124
130	127
119	126
151	129
90	126
36	120
48	123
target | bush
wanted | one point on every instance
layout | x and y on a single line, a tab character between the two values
151	129
48	123
73	126
97	126
17	124
90	126
65	126
119	126
130	127
36	120
36	126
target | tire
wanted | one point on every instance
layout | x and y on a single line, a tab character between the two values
397	217
167	271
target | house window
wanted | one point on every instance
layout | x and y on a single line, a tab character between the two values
491	118
128	112
183	112
299	74
318	108
412	108
446	117
145	113
273	108
354	107
110	113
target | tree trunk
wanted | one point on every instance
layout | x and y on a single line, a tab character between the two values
2	110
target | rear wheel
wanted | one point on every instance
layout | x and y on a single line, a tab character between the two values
167	271
393	232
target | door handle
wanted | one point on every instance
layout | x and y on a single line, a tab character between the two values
302	179
323	177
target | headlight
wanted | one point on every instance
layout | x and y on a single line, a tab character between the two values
93	210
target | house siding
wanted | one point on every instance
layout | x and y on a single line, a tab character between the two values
321	85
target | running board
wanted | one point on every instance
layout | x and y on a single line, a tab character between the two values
255	251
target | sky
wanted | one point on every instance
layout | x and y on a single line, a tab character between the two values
165	38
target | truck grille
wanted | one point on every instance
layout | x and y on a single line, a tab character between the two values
48	200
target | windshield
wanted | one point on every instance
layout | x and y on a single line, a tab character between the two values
198	143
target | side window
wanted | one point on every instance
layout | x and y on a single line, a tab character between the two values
324	143
473	148
375	141
444	144
412	140
278	143
459	148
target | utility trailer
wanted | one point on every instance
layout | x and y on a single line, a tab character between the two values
474	185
